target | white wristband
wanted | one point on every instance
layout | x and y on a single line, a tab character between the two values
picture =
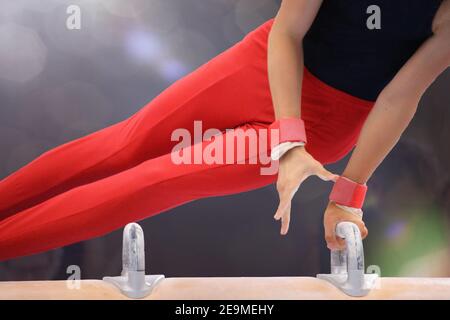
279	150
355	211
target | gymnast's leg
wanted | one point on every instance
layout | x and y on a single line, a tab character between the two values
230	90
151	187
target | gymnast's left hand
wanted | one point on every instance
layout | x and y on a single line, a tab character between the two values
333	215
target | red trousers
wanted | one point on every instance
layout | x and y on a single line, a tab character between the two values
125	172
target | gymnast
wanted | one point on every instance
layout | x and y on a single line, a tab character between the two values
328	77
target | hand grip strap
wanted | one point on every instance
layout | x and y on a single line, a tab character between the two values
289	130
348	193
286	134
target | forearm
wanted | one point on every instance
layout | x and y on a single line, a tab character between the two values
396	106
285	55
380	133
285	68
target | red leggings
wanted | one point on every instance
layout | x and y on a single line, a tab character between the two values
100	182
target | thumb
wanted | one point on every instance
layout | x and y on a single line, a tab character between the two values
326	175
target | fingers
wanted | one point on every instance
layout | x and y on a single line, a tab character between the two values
284	206
364	233
333	243
362	228
285	220
286	194
284	213
341	243
333	216
336	243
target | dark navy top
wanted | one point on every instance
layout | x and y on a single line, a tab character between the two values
358	48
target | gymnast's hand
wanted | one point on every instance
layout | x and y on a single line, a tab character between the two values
334	215
294	167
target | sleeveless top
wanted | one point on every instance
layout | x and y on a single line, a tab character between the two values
357	46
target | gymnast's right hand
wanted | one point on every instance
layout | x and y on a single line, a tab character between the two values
294	167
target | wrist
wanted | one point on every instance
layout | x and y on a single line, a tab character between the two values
354	211
348	193
285	135
284	148
355	177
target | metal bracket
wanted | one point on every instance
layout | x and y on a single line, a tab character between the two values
133	282
347	266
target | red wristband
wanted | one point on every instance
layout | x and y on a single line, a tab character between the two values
289	130
348	193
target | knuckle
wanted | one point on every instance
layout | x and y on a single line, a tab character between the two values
365	233
360	224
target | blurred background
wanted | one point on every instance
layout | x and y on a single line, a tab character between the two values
57	85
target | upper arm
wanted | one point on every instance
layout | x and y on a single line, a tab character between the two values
296	16
441	26
441	21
